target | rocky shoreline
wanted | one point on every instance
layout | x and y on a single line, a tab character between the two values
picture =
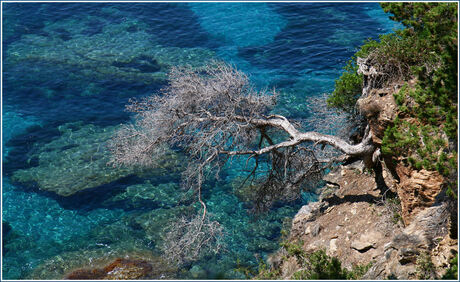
394	218
356	223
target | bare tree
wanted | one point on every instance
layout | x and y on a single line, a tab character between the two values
214	115
188	239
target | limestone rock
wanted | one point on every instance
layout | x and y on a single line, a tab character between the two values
348	215
401	254
443	253
334	176
367	241
389	177
380	109
307	213
354	228
333	245
417	190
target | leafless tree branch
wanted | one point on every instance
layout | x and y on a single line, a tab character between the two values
188	239
214	115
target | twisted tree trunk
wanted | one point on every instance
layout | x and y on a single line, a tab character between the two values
364	149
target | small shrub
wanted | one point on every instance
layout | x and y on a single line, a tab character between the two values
313	266
452	271
424	267
265	273
358	271
321	266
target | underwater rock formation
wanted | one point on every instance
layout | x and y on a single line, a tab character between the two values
111	265
78	159
8	234
119	269
139	196
120	51
155	222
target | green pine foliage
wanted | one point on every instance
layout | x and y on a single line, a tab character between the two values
429	108
347	89
428	46
349	86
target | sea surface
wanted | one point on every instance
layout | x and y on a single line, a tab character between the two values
69	69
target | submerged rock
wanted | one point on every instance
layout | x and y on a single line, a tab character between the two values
155	222
119	269
78	159
165	195
120	51
107	264
8	236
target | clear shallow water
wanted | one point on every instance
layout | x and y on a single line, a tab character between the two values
69	69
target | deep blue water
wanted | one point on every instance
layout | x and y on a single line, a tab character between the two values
69	69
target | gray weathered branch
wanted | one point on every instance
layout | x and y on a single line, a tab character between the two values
365	147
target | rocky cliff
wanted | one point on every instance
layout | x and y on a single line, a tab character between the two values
359	224
394	217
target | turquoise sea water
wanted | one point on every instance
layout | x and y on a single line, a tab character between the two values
69	69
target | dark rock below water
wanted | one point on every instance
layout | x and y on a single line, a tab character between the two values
124	51
141	63
7	234
6	228
119	269
118	262
77	160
